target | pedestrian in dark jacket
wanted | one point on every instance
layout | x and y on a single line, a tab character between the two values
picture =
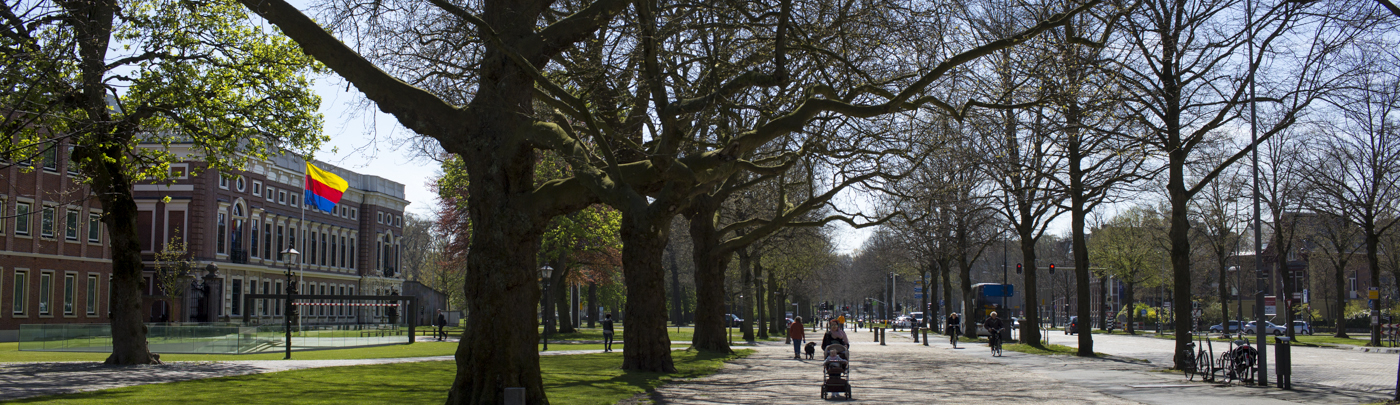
441	323
607	333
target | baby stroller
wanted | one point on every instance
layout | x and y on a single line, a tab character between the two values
836	371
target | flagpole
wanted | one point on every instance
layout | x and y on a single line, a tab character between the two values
301	272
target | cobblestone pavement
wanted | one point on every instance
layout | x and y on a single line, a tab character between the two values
900	372
1342	368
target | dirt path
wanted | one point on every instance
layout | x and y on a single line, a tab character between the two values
900	372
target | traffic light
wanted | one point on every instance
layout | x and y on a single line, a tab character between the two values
1018	268
898	307
1052	268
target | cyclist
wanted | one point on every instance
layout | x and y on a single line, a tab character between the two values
954	328
993	325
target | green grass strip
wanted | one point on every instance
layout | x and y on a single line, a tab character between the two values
576	379
1048	350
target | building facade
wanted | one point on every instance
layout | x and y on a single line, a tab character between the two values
55	262
242	222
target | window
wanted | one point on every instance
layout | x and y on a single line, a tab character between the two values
239	184
277	289
267	240
222	228
70	285
279	243
70	226
398	220
46	222
2	215
270	193
340	310
253	242
354	213
51	159
45	292
92	294
266	289
380	218
21	286
293	200
223	181
281	197
95	228
237	297
22	218
179	172
323	248
312	251
333	249
72	166
321	309
353	253
292	243
257	188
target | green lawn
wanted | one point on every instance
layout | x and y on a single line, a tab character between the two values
1059	350
682	334
9	353
578	379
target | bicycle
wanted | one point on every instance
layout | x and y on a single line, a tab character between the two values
953	338
995	342
1187	358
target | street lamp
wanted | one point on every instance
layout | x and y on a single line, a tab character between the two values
544	274
290	310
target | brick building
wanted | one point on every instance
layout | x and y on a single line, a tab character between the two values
55	263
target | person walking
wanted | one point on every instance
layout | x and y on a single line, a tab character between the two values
607	333
797	334
441	323
835	334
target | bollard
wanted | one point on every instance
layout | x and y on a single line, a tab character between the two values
915	332
882	337
1283	359
925	337
875	331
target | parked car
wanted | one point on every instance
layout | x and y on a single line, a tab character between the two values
902	321
733	319
1302	328
1219	328
1072	327
1269	328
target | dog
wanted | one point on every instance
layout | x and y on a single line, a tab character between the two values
811	349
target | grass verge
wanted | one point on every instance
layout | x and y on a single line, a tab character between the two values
9	353
578	379
1048	350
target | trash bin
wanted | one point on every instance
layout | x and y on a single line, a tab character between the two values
1283	368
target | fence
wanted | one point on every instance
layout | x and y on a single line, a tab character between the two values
210	338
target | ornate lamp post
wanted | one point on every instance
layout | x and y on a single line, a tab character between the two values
291	290
544	274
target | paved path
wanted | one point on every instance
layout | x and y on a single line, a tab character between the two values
1332	367
900	372
903	372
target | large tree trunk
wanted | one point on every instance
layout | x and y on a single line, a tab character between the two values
965	285
1105	307
128	331
647	346
745	298
676	315
592	303
1224	291
562	302
1373	262
1030	327
710	332
1130	304
1179	233
502	288
760	301
1081	278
